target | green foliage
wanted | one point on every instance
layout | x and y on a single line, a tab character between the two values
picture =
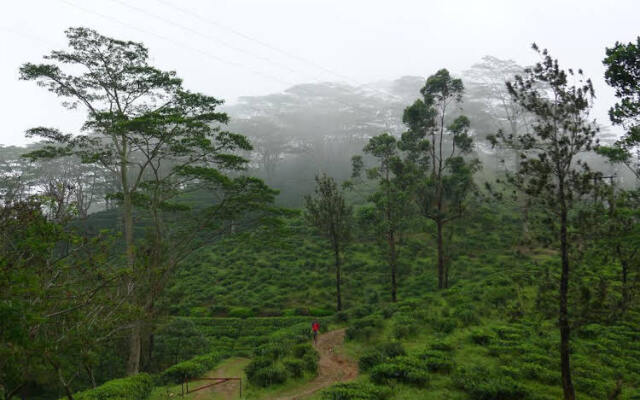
271	374
402	369
483	384
136	387
437	361
356	391
193	368
380	354
364	328
287	354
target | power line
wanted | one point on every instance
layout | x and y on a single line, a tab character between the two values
252	39
187	46
176	43
204	35
268	46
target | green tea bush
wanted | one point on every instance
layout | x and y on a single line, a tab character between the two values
192	368
441	345
364	328
401	369
310	361
404	327
137	387
272	374
380	354
241	312
295	367
273	350
443	324
356	391
437	361
483	384
481	336
467	316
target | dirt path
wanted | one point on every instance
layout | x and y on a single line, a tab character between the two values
333	367
226	390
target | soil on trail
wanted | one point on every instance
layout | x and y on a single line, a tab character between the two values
227	390
333	367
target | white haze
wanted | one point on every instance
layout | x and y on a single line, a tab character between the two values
217	46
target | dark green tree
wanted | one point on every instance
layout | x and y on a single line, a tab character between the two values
436	154
623	74
551	170
329	213
391	199
141	123
59	299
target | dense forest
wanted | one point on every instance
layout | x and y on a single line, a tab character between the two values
456	236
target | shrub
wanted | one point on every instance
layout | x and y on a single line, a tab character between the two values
356	391
444	324
192	368
274	350
441	345
310	361
481	337
483	384
241	312
136	387
270	375
295	367
380	354
364	328
437	361
468	316
301	349
404	327
341	316
402	369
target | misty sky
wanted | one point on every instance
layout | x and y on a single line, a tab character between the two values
216	46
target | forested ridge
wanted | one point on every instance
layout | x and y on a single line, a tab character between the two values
476	235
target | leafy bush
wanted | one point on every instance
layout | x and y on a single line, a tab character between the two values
380	354
483	384
356	391
444	324
404	327
193	368
481	337
294	367
271	374
364	328
137	387
437	361
441	345
402	369
274	350
241	312
310	361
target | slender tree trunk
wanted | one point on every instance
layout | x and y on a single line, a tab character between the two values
65	384
336	251
625	274
565	330
135	349
91	376
133	362
392	261
441	272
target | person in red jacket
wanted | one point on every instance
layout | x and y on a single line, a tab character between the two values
315	327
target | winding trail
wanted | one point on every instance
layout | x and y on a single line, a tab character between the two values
333	367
